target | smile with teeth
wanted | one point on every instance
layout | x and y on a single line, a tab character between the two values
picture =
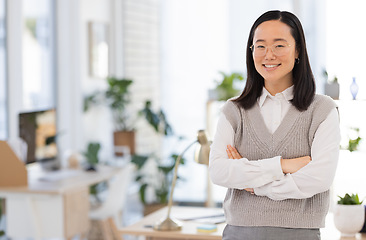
271	65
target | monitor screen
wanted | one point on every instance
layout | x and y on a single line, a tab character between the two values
38	129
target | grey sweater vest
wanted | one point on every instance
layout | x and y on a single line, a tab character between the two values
293	138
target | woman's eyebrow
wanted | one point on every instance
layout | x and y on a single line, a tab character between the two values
259	40
274	40
280	39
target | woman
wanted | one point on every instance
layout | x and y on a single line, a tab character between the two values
276	146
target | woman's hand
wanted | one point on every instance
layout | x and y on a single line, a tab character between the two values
233	154
294	164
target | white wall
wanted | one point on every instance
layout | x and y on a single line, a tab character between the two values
141	63
195	46
73	77
344	52
97	124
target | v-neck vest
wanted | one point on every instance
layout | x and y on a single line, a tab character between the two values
293	138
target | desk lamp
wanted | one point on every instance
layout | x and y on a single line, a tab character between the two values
201	156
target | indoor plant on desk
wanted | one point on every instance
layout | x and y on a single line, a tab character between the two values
92	160
117	97
349	215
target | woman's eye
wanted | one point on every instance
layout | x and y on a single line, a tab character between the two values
260	47
280	46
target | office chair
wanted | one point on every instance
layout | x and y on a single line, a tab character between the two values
108	215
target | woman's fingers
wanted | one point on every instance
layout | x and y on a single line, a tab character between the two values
250	190
232	152
229	154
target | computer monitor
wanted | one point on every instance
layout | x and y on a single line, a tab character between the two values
38	129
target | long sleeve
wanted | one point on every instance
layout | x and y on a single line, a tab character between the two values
318	175
239	173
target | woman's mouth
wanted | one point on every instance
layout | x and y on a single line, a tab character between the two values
271	65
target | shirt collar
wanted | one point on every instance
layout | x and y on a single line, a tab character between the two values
288	94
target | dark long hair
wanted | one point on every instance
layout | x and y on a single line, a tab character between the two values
303	79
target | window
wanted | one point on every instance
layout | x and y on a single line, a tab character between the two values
3	85
38	55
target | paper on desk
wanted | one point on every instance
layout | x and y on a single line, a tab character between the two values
203	215
211	220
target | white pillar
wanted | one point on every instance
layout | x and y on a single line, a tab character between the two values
69	93
14	53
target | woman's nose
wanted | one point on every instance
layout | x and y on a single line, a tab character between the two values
269	54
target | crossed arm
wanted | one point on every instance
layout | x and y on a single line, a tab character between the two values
287	165
275	177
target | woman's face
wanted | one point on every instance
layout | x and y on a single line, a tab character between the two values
274	53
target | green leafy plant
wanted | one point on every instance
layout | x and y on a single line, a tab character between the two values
156	119
226	88
354	142
91	154
159	179
92	160
326	76
117	97
161	182
349	200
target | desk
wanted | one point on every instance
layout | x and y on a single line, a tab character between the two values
189	231
51	208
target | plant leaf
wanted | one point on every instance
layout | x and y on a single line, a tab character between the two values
139	160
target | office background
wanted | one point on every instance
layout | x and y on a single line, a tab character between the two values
172	49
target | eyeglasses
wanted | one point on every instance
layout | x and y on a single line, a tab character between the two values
278	49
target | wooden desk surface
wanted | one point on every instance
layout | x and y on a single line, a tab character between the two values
43	182
144	227
189	229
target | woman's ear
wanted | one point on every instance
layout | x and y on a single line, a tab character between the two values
297	52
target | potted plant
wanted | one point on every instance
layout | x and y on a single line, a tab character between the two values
331	86
155	172
117	97
92	159
91	155
227	87
349	215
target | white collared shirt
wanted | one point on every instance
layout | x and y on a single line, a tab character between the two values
265	175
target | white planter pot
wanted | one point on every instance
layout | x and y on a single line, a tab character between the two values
349	219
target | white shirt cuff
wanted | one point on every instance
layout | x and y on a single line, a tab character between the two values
272	166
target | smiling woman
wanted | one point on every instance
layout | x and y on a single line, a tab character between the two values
271	138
